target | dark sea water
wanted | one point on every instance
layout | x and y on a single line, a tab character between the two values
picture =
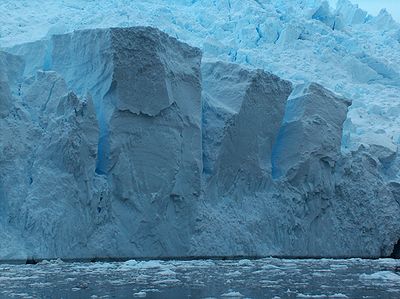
263	278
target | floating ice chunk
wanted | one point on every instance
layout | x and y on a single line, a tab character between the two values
166	272
232	294
149	264
300	295
386	276
234	273
130	263
338	267
167	281
245	262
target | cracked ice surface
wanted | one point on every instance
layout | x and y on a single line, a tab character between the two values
295	40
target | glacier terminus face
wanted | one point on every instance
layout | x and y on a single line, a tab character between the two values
272	131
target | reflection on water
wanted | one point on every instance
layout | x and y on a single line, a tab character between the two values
263	278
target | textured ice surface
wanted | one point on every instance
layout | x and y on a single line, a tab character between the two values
242	112
138	165
310	137
133	166
291	200
11	70
343	48
118	142
48	146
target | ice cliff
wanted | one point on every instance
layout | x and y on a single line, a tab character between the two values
126	142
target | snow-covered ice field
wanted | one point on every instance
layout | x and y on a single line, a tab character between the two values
262	278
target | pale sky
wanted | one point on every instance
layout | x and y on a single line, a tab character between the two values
374	6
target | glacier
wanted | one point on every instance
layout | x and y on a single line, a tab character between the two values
237	128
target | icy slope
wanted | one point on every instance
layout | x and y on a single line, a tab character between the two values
345	50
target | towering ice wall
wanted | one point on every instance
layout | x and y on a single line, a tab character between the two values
48	150
298	198
344	49
121	143
148	162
